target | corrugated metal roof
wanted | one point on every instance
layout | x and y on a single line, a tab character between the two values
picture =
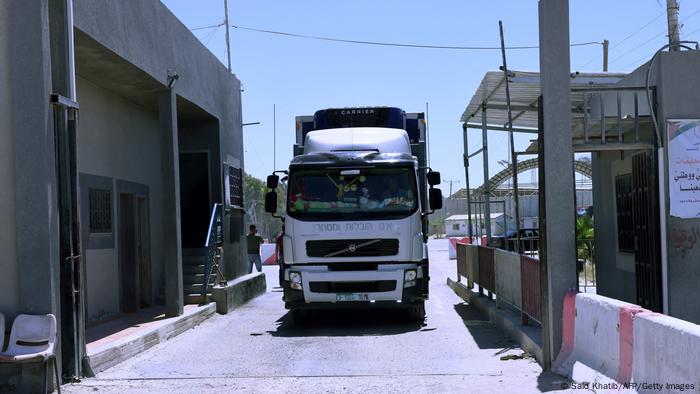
524	92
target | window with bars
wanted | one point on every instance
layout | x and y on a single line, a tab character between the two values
100	207
625	223
455	226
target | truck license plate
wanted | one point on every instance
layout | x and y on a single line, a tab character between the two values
351	297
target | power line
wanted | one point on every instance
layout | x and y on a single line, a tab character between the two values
208	27
211	35
394	44
626	38
653	38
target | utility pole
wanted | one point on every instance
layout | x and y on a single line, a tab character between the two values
605	55
556	169
673	27
513	156
450	181
228	41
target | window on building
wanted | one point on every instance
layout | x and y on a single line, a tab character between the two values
236	186
455	226
625	224
100	206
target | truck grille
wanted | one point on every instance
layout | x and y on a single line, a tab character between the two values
352	248
353	287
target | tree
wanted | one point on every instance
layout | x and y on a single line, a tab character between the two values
584	236
254	191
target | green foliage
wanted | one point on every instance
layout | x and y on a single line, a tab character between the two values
584	237
254	191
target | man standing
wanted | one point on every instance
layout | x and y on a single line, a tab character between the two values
254	241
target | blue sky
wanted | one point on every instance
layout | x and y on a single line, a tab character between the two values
300	76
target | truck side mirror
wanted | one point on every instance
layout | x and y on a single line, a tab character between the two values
433	178
273	181
435	198
271	202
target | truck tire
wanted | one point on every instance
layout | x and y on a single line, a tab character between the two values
416	312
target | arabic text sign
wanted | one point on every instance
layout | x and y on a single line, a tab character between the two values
684	167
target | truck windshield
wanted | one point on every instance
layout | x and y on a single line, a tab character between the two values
352	193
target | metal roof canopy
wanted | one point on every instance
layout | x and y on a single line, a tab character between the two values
524	92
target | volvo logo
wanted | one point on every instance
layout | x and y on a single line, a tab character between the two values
352	248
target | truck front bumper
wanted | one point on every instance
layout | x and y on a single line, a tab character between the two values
381	288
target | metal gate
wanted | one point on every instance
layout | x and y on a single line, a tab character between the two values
645	211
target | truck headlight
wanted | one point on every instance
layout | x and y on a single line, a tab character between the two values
409	278
410	275
295	280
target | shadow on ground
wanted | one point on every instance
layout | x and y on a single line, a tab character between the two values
485	334
346	323
549	381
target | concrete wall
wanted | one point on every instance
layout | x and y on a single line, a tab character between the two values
125	28
118	140
679	94
677	82
9	292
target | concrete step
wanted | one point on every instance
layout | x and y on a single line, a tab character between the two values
196	298
192	252
193	288
192	260
196	278
193	269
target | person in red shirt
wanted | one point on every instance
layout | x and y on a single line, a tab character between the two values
279	252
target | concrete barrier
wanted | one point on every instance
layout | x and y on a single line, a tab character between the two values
591	339
666	350
508	283
452	246
238	291
267	254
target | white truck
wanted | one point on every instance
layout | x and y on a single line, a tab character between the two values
358	196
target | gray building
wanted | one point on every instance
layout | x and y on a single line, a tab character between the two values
645	253
119	131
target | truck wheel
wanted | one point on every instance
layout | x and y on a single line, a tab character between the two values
416	312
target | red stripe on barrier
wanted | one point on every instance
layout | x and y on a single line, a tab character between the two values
627	314
568	328
272	260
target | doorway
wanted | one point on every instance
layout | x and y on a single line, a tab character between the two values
645	216
195	199
134	253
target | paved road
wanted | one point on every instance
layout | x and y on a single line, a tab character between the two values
258	348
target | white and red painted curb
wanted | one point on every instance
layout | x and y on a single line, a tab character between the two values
267	254
609	341
453	241
452	246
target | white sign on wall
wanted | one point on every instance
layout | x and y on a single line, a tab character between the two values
684	167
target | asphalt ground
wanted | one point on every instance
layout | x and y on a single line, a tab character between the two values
259	348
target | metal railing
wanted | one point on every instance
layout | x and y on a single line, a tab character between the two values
529	246
585	265
513	278
213	250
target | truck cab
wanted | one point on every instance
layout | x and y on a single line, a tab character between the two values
355	217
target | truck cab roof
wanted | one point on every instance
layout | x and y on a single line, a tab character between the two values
366	139
352	159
